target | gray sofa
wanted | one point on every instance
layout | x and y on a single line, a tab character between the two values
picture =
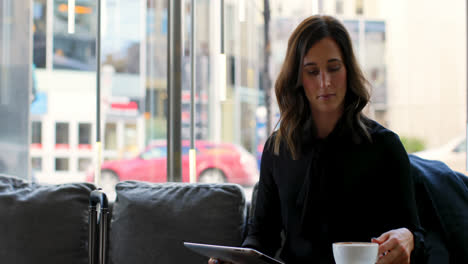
43	223
149	222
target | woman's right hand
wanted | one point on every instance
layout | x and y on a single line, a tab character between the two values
216	261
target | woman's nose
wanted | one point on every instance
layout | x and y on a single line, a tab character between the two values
324	79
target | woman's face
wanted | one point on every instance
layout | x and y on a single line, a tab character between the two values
324	78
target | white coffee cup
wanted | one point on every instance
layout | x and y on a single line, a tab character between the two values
355	252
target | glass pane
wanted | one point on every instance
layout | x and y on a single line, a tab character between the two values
84	136
226	103
339	6
36	164
134	57
110	138
36	134
84	164
154	153
130	140
235	105
407	92
62	136
359	7
65	92
39	33
75	51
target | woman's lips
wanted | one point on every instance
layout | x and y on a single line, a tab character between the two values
325	96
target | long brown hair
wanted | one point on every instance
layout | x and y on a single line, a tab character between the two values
292	102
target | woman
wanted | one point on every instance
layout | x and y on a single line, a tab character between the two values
330	174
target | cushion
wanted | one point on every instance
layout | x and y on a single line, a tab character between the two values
442	197
43	223
151	221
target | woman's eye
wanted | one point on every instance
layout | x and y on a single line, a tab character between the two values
334	69
313	72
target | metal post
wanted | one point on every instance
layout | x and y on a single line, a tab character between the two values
174	71
151	87
193	80
222	59
192	153
49	34
222	26
98	73
97	174
266	69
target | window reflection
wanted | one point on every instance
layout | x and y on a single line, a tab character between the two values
75	51
110	136
36	164
339	7
62	164
406	93
84	164
130	137
39	32
155	153
121	36
359	7
84	135
36	134
62	136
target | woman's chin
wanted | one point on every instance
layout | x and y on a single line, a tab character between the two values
329	109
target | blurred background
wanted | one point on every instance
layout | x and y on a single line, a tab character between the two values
412	51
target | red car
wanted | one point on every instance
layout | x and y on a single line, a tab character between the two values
215	162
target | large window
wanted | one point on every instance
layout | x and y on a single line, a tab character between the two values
418	82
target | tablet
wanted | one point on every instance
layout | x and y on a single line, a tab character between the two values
236	255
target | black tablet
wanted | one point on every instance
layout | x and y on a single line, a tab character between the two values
236	255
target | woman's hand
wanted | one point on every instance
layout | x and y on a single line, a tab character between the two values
395	246
216	261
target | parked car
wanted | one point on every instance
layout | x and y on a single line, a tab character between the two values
453	154
215	163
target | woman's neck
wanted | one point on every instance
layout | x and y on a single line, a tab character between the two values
325	123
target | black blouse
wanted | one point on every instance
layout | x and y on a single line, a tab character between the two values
337	191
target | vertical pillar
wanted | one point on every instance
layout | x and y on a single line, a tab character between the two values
174	71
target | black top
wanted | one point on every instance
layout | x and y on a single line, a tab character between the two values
337	191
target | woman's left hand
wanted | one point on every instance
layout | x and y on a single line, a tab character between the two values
395	246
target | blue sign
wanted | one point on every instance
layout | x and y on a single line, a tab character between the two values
39	106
